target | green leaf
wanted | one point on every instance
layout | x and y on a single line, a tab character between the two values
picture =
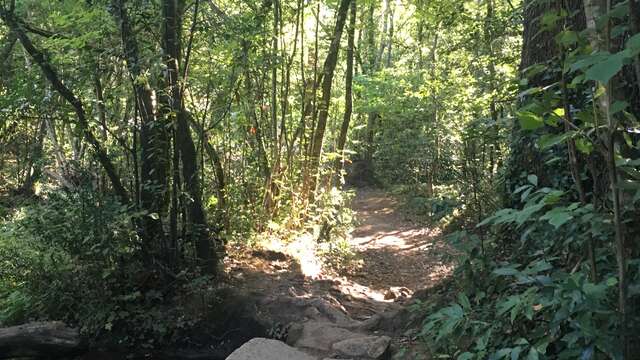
533	354
465	356
618	106
538	267
553	197
595	291
567	38
533	179
633	44
526	213
530	91
521	188
557	217
584	146
546	141
515	353
454	311
589	60
529	120
464	301
605	70
502	353
506	305
506	271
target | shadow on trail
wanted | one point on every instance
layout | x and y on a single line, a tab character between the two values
395	252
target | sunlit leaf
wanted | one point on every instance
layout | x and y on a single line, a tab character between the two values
530	121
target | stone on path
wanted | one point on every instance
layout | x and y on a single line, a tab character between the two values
317	335
372	347
267	349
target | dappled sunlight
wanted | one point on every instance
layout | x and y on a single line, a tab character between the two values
303	250
395	258
395	252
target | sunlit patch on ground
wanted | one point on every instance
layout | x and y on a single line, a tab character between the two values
394	258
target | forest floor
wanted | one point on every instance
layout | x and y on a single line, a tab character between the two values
395	261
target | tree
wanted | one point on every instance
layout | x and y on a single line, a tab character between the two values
323	107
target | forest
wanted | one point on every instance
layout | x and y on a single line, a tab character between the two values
319	179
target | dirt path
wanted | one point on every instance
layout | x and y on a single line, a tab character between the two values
396	253
396	258
309	304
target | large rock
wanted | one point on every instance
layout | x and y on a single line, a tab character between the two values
373	347
288	309
267	349
39	339
317	335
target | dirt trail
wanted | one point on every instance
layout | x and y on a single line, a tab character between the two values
396	252
307	305
397	258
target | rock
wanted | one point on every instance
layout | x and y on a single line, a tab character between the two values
392	320
422	294
397	293
288	309
39	339
317	335
370	324
390	295
267	349
374	347
334	312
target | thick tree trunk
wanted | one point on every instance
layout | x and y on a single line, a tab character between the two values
539	47
599	39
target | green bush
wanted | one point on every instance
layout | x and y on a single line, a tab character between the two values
531	297
76	258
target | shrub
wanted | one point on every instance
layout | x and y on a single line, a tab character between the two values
76	258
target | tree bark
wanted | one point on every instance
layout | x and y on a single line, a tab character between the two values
599	39
323	107
196	218
153	142
348	88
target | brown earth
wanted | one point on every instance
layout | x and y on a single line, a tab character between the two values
395	258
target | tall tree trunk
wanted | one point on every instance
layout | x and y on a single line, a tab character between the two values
34	168
323	107
348	92
153	142
196	218
270	184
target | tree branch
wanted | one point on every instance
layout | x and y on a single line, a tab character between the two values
50	73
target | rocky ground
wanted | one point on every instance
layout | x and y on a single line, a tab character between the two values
360	313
